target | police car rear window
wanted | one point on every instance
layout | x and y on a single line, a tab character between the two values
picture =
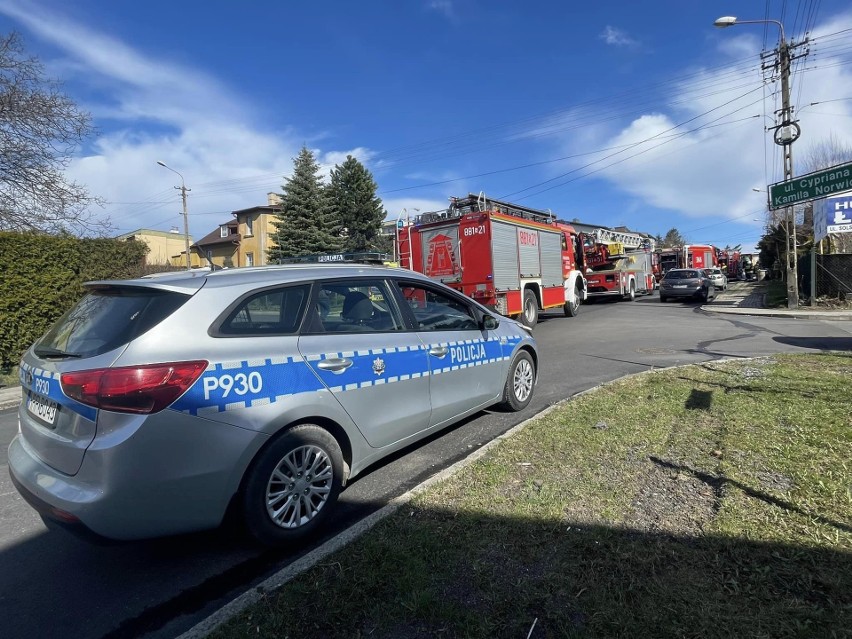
106	319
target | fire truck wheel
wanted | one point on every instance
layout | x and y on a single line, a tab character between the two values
530	315
632	294
520	381
571	309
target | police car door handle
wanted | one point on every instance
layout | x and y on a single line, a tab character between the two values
439	351
334	364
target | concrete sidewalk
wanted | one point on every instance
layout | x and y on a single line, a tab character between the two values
10	396
747	298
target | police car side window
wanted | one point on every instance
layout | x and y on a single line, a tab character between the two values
270	312
435	311
353	306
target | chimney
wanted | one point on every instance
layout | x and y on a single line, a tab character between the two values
273	199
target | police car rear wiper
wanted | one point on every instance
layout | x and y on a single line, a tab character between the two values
47	351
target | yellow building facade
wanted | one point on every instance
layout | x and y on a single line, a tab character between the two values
164	247
255	227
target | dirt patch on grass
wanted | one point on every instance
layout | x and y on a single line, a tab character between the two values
672	501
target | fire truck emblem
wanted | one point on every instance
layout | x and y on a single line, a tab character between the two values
442	259
378	366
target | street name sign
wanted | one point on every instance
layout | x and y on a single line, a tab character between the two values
811	186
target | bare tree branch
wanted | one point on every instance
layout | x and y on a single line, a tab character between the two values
40	129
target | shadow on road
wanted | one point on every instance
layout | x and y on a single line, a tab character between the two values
817	343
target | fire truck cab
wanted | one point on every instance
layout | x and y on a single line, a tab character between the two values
516	260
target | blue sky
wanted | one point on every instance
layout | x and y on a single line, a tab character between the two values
613	113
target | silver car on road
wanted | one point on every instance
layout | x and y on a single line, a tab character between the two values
156	405
719	279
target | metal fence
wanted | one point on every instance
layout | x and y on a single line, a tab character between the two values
833	276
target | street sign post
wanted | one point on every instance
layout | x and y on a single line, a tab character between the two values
812	186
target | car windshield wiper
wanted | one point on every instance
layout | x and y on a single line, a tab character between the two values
48	351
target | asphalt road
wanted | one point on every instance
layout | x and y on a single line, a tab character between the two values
54	585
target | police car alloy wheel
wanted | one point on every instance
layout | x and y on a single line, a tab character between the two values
293	485
519	383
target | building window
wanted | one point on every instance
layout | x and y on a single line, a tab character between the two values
223	230
249	226
249	259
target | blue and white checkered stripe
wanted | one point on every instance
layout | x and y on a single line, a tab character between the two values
227	386
51	381
235	385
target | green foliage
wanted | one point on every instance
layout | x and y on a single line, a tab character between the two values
355	206
772	248
43	277
303	225
674	238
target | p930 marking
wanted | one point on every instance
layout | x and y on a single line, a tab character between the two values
239	384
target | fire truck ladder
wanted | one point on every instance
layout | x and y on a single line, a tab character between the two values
629	240
479	203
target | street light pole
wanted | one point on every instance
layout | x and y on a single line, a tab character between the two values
183	191
786	142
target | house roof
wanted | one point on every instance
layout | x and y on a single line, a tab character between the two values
215	237
264	208
150	232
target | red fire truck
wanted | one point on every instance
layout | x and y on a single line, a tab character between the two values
743	266
619	264
688	256
513	259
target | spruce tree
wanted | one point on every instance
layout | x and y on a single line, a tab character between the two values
355	207
674	238
301	227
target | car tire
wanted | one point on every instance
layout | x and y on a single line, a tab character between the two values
529	316
663	298
520	383
311	460
572	309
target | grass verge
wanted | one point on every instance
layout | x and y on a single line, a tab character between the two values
706	501
776	294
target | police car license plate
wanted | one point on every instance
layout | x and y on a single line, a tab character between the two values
42	408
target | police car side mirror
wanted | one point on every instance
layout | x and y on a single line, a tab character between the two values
489	322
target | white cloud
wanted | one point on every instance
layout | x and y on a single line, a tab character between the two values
412	206
711	167
204	130
617	37
444	7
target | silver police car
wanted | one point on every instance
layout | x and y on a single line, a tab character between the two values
156	405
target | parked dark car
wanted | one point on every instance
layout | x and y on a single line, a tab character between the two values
689	283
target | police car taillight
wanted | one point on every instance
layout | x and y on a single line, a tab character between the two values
132	389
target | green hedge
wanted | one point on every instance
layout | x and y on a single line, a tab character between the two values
41	276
